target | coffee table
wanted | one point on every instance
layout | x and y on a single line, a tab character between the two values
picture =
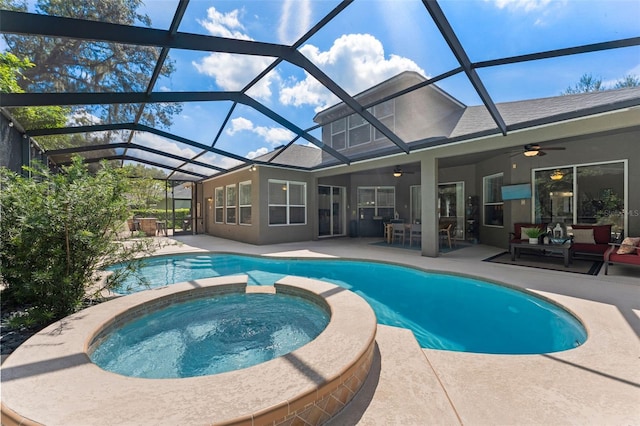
564	248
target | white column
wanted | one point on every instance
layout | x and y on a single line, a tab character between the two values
429	192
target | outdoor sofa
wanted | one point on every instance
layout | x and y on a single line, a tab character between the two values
590	239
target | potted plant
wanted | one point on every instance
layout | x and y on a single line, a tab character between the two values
534	234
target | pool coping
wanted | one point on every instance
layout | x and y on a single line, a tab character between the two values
64	387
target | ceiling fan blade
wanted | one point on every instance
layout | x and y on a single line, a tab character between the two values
541	153
557	148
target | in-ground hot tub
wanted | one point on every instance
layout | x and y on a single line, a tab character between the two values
51	380
210	335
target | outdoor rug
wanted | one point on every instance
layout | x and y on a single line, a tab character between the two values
554	263
443	249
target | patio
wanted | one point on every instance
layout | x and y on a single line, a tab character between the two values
597	383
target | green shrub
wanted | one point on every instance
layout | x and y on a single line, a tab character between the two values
56	230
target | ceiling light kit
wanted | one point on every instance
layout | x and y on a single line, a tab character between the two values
556	175
533	150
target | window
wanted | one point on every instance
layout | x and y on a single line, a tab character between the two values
231	204
385	112
415	203
492	196
244	197
287	203
359	130
376	201
219	218
338	134
583	193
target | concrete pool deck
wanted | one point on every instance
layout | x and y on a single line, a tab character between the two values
597	383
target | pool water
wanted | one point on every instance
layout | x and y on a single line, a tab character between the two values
210	336
444	311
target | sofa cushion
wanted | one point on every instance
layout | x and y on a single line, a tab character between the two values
624	258
590	248
629	246
601	233
583	236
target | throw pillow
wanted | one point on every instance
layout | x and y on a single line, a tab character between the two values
583	236
628	245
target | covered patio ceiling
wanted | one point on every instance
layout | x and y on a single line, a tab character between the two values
250	77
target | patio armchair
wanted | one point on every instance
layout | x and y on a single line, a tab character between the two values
625	253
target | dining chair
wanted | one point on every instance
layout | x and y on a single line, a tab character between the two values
415	233
445	234
398	231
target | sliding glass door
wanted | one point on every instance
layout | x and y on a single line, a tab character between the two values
451	207
585	194
331	211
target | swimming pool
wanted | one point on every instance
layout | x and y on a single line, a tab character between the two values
444	311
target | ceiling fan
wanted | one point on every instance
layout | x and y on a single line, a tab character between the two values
397	172
531	150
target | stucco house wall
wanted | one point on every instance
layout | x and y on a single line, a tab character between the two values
259	231
425	111
420	116
584	150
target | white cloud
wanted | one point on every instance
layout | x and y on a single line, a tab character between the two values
634	72
526	5
295	20
354	61
272	135
239	124
257	153
218	160
82	117
156	142
543	11
233	72
224	24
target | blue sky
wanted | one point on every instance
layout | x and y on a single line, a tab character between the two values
371	41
